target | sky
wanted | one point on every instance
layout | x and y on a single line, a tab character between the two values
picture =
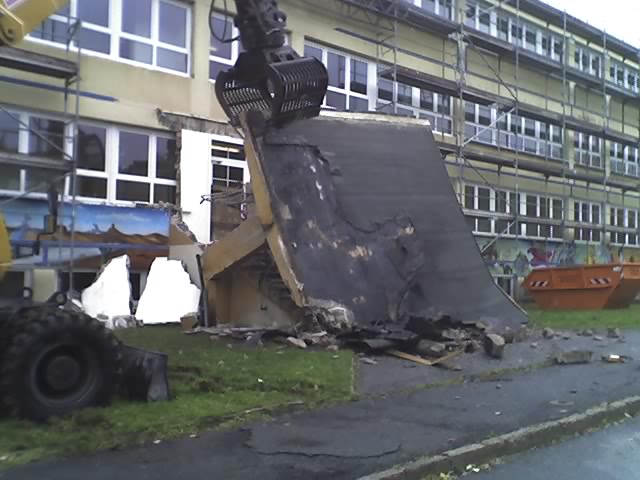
620	18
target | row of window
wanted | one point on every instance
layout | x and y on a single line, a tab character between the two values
444	8
532	207
487	19
114	164
488	125
149	32
158	33
356	85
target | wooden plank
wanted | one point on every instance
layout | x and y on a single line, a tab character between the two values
408	356
422	361
238	244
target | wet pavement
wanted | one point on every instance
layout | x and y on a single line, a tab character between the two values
610	454
402	418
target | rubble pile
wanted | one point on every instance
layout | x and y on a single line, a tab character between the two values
430	339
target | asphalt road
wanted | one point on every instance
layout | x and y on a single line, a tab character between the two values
610	454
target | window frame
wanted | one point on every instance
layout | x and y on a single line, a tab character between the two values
580	231
236	46
613	221
372	80
116	33
415	109
24	147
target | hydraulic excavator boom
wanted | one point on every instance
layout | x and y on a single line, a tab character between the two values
19	17
269	75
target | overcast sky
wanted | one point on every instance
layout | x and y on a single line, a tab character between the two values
620	18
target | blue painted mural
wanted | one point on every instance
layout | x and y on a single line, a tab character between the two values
100	231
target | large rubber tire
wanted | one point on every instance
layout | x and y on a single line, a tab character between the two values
59	362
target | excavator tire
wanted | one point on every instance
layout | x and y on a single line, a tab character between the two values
58	362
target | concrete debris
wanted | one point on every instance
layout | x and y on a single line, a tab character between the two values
598	338
124	321
332	348
110	294
522	334
168	295
615	358
548	333
534	345
587	333
429	348
573	357
296	342
368	361
561	403
189	321
454	335
566	336
614	333
509	336
494	345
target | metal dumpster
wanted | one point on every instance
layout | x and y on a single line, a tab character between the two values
584	287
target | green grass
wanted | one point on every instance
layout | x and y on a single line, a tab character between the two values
214	385
628	318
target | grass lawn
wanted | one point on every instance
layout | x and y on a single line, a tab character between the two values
599	319
213	385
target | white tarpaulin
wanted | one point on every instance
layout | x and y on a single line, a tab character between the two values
110	294
168	295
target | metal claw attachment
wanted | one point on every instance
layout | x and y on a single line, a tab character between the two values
286	90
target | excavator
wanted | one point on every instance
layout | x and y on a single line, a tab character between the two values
54	361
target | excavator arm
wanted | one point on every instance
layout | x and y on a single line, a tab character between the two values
20	17
269	76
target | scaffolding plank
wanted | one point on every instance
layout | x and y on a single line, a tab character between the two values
416	16
35	162
18	59
592	34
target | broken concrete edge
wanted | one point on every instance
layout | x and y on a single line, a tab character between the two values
512	443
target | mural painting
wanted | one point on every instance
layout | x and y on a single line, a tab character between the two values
511	256
101	232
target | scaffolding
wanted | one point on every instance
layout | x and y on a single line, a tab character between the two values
57	167
386	17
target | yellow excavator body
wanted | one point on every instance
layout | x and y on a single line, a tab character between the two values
5	248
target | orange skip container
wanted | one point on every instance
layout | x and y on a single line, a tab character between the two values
584	287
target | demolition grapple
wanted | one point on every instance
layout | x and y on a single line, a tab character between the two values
269	76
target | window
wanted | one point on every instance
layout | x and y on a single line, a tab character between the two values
151	32
514	132
416	102
222	54
588	61
146	168
479	120
30	134
92	177
624	76
624	218
230	173
588	150
540	207
499	206
531	38
624	159
439	7
587	213
348	79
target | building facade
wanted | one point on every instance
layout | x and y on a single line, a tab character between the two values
537	113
